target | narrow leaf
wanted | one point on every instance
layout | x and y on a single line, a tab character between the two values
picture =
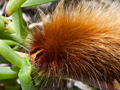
2	25
8	72
12	6
19	24
10	55
24	76
9	36
36	2
10	42
8	25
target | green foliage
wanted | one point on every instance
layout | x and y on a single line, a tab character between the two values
10	55
24	76
13	5
36	2
8	72
13	34
19	24
2	25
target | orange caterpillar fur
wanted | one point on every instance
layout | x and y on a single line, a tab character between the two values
80	41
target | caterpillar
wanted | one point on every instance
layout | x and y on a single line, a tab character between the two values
80	41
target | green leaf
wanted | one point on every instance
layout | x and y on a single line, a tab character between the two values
10	42
4	19
10	55
8	72
36	2
12	6
19	24
8	25
9	36
24	76
2	25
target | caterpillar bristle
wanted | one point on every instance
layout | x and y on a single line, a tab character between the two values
80	41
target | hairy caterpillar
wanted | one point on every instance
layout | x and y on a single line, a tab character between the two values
80	41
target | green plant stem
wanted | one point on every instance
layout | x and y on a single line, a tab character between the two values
25	76
8	72
10	55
